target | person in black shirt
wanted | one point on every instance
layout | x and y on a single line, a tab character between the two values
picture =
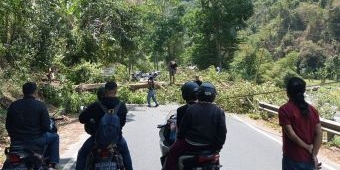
91	117
203	127
28	123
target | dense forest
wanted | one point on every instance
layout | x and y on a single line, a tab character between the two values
256	41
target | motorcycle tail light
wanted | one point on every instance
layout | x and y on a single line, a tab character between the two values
13	158
214	158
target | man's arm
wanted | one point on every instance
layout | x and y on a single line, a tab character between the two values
8	119
185	124
45	118
292	136
317	139
316	145
84	116
221	132
123	111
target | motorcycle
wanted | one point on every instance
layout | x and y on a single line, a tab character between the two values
107	158
23	156
203	160
140	75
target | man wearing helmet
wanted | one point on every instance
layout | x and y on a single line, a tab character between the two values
189	90
203	127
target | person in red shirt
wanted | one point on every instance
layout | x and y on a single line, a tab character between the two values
301	129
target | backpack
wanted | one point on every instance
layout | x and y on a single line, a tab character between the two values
109	129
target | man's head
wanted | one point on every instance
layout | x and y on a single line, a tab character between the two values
29	89
189	90
110	89
197	77
206	92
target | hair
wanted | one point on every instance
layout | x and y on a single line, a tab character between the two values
296	87
29	88
111	85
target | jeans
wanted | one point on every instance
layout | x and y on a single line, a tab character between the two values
51	140
289	164
151	95
88	146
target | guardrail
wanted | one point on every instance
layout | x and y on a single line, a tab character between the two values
331	127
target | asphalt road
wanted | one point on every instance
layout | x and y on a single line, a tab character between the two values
246	147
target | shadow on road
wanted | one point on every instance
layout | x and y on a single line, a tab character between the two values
129	117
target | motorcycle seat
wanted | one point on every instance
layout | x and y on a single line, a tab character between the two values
27	148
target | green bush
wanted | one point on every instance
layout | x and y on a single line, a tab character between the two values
74	101
85	73
51	95
335	141
128	96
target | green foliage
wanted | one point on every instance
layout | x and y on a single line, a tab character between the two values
326	100
281	70
85	73
243	96
335	141
51	95
73	102
121	73
218	23
135	97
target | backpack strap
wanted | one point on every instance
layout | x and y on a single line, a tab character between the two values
112	111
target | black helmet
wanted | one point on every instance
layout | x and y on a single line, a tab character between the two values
189	90
206	92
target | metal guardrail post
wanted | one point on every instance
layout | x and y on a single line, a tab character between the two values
331	127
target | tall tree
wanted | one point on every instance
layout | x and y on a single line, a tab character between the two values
218	22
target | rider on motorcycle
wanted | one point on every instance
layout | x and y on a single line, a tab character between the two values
189	90
91	117
203	127
28	123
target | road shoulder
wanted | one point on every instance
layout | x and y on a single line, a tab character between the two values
330	154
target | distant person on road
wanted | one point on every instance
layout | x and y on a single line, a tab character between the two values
172	71
198	80
151	92
301	129
28	123
91	117
203	127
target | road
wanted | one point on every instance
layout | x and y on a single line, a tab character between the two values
246	147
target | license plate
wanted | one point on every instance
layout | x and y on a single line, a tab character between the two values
105	166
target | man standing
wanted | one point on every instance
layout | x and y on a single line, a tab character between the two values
28	122
91	117
172	71
151	92
198	80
